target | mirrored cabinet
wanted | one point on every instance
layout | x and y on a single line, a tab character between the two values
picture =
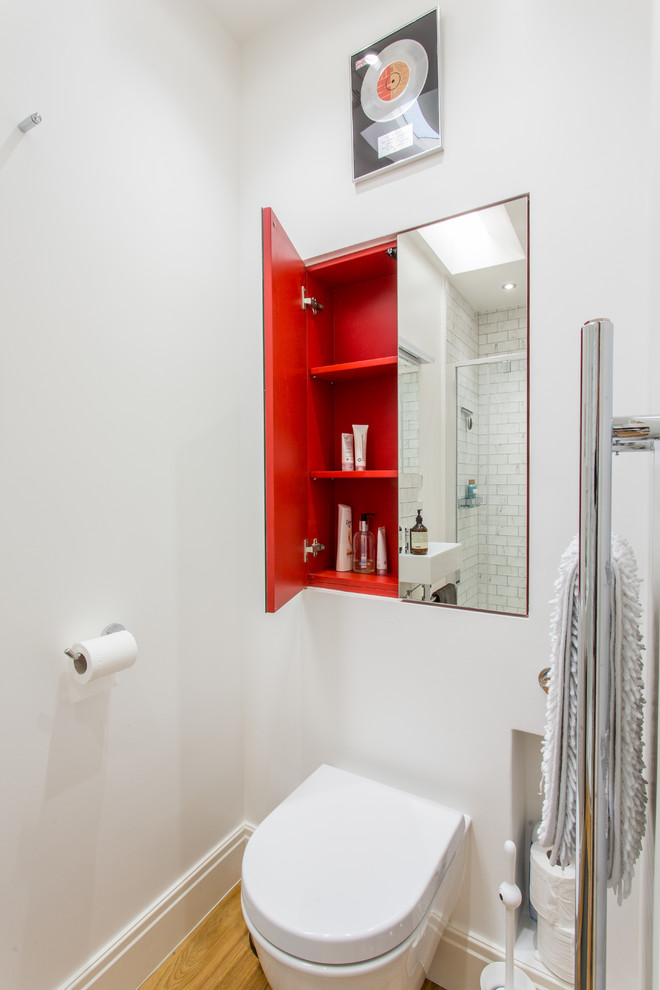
422	338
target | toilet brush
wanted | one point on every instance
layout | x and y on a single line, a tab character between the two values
506	976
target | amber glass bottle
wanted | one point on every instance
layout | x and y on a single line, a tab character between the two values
419	537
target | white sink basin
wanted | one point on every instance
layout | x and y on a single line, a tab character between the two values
441	560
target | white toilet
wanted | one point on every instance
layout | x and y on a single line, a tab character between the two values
350	880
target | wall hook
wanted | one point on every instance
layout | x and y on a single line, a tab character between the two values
30	122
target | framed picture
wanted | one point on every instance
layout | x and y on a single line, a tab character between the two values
395	89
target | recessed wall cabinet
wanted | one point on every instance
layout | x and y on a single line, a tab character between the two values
424	338
330	361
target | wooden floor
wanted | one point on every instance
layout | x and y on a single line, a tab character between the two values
216	955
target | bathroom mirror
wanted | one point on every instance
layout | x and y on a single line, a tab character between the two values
463	408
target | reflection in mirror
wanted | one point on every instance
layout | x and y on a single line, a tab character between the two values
463	454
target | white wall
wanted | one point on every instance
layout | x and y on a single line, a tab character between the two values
550	99
118	312
422	316
132	491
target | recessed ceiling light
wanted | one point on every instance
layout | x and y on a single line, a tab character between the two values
508	286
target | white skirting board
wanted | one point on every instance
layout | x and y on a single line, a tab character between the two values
140	949
461	957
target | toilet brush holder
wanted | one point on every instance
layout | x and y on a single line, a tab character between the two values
504	975
494	975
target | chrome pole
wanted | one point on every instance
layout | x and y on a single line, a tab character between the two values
593	654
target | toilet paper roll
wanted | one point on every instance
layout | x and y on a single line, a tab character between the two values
552	889
556	947
103	656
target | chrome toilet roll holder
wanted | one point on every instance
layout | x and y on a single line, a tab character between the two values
79	661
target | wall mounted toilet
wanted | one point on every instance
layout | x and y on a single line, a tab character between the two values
351	880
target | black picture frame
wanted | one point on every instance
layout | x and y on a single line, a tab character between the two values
395	94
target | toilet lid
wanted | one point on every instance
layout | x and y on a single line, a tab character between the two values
345	868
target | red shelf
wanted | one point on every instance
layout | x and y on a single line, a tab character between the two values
358	264
353	475
386	585
354	370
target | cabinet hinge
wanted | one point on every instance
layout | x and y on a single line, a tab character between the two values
315	548
312	302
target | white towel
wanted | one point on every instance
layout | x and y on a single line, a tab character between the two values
627	786
558	823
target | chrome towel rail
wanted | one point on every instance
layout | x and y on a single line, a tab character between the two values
593	653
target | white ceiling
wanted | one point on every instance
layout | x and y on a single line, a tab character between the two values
243	18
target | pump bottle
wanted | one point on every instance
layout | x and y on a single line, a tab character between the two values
419	537
364	547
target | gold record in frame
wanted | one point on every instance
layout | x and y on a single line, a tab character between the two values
395	91
394	80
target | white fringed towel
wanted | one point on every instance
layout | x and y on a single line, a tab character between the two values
627	786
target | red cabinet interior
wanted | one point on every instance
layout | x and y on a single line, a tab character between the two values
323	373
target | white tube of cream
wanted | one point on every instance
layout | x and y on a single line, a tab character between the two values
360	444
381	551
347	458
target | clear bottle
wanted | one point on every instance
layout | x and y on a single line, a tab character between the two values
419	536
364	547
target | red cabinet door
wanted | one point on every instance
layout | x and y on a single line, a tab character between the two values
285	415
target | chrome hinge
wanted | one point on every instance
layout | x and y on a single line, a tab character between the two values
312	302
315	548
